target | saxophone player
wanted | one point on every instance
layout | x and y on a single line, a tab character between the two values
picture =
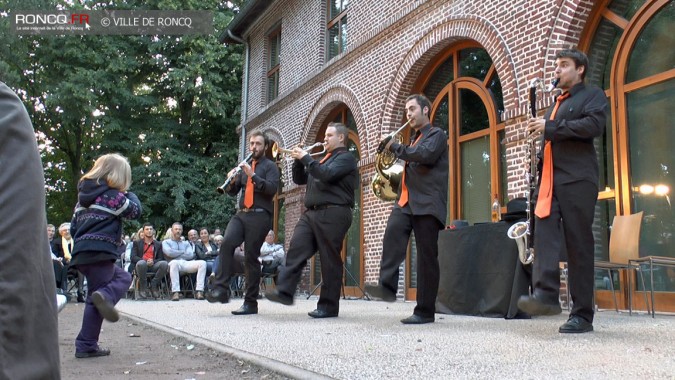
567	193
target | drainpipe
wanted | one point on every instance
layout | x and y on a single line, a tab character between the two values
244	95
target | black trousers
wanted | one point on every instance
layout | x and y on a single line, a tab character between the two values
395	246
571	223
251	228
322	230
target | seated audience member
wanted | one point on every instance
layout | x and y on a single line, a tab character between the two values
181	260
271	254
63	247
147	257
60	270
206	250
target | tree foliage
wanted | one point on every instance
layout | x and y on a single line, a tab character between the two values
168	103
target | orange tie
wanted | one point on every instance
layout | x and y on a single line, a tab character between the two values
543	208
404	189
325	158
248	196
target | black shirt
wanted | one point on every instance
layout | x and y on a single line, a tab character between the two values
265	183
330	183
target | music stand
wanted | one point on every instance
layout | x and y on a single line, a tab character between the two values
344	296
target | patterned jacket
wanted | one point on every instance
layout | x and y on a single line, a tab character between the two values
97	222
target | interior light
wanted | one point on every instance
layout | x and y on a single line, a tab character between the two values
646	189
661	190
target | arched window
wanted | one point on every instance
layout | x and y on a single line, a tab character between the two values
630	47
466	97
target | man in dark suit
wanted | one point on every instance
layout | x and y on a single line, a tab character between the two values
567	193
147	257
421	207
29	347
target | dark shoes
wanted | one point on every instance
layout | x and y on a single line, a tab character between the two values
321	314
199	296
80	298
246	309
215	296
576	325
378	291
105	308
535	306
277	297
154	291
93	354
417	320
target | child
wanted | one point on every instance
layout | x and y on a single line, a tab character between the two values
103	201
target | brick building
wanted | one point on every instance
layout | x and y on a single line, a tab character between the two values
312	62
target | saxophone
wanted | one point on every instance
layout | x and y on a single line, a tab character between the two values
521	232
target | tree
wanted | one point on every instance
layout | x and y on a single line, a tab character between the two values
168	103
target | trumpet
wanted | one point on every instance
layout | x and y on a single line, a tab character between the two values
278	151
233	174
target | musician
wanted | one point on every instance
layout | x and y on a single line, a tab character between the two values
28	316
258	183
421	206
568	130
329	199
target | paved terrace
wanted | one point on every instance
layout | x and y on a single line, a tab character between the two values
367	341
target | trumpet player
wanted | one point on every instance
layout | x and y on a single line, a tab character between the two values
567	193
329	199
258	183
421	206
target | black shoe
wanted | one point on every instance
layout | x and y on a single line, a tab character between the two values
277	297
93	354
534	306
154	291
317	313
246	309
80	297
575	325
417	320
378	291
105	308
143	295
215	295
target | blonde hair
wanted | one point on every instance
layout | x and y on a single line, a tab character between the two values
114	169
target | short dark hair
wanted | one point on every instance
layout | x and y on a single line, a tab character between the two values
203	228
148	225
340	129
264	136
580	59
421	100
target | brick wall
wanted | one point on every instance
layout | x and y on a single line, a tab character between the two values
390	42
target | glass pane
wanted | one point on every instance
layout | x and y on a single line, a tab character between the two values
652	165
353	243
472	113
494	87
273	86
351	123
601	52
604	215
604	146
413	262
281	222
475	180
334	7
653	52
333	41
343	27
474	62
441	116
443	75
503	165
275	47
625	8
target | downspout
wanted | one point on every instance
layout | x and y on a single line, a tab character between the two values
244	95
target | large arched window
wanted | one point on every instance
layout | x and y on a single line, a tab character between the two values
466	97
351	250
630	47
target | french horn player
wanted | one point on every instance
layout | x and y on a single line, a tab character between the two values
420	206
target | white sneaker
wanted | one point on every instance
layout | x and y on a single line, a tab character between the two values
61	302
